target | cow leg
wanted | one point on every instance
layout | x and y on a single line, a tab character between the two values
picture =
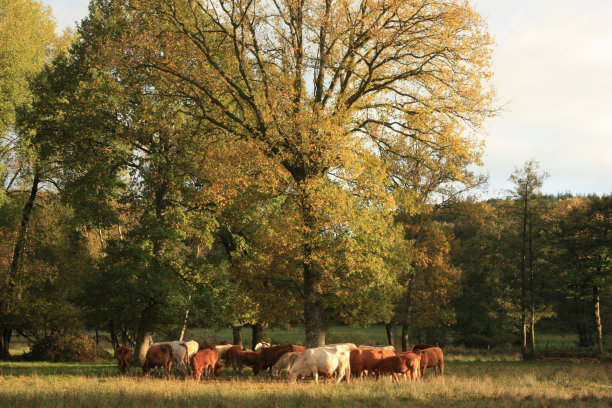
315	374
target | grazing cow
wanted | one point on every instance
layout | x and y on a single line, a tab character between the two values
422	346
224	342
269	356
322	359
158	355
413	362
192	348
392	365
205	361
378	347
249	358
349	345
284	362
431	357
363	360
230	358
261	345
222	349
124	359
181	354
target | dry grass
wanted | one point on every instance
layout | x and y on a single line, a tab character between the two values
494	383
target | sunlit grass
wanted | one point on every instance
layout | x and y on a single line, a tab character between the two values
484	383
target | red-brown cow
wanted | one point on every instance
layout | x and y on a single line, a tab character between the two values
230	357
364	360
431	357
124	359
249	358
413	362
269	356
205	361
422	346
160	355
392	365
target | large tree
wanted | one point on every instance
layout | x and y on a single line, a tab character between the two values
319	86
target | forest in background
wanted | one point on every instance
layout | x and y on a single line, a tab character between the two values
172	165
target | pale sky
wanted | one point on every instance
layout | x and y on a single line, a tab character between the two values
552	67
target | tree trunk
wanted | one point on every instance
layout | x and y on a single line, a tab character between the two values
237	335
7	333
314	319
7	330
257	334
388	327
532	343
597	321
407	317
524	352
113	335
144	339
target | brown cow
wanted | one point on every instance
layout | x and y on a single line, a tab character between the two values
363	360
392	365
160	355
124	359
422	346
205	361
268	356
249	358
230	359
413	362
431	357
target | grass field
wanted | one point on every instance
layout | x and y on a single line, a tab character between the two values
477	380
473	378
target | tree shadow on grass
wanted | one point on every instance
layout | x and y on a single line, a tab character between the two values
235	399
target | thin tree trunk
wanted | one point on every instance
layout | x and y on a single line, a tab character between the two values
257	334
185	321
532	343
388	328
524	283
237	335
113	335
407	317
7	330
597	321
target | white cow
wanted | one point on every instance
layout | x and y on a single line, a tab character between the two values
192	347
222	349
322	359
261	345
283	363
349	345
181	355
378	347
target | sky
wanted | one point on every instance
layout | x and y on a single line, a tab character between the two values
552	66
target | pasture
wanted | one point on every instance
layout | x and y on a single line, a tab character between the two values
471	379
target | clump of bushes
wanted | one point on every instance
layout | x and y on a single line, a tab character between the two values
66	347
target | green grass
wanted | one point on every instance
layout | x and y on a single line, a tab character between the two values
484	383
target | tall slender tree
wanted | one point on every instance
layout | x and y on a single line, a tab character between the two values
528	182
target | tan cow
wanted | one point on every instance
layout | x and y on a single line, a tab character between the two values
322	359
431	357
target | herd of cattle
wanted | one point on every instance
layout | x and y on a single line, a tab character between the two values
344	360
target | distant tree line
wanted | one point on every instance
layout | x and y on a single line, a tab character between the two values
176	164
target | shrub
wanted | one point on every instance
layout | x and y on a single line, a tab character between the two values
68	347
